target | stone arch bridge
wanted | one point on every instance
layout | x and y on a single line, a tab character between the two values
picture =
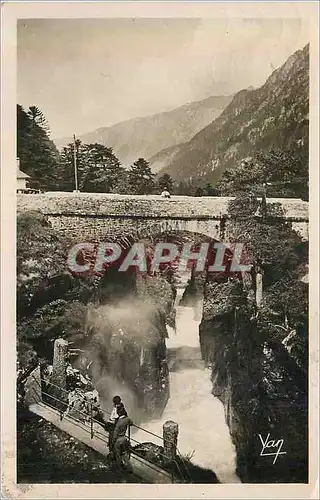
95	216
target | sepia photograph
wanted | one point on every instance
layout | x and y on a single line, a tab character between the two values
162	306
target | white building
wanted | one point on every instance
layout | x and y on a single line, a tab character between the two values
21	177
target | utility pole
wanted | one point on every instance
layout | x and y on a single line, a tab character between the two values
75	162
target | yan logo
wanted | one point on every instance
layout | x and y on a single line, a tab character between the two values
272	445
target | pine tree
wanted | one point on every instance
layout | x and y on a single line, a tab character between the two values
165	182
141	178
98	168
37	118
38	155
66	169
122	183
103	168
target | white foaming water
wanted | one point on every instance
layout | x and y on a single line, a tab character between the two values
203	431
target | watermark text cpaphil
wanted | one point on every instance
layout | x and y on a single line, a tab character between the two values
217	258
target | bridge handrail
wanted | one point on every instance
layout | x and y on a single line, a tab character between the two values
100	436
77	422
134	425
105	410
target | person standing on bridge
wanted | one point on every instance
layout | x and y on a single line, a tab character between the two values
121	443
117	403
111	424
165	193
75	398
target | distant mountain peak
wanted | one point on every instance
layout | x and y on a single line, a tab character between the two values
257	119
145	136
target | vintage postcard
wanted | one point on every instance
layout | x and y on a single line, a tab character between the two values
159	264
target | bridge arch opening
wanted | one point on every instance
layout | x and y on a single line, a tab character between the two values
196	254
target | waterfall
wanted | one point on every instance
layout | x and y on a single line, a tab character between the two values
203	431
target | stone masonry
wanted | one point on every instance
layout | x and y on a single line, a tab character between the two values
95	216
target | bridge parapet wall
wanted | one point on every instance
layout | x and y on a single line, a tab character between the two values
148	206
96	204
97	216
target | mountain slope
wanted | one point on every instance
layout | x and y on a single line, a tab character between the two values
272	116
143	137
164	157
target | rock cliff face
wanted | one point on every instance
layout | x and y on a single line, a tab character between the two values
107	317
127	355
275	115
263	390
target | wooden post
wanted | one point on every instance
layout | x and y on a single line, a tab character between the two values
259	292
170	439
59	376
59	368
91	420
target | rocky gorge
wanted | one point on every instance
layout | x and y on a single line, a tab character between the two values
259	373
116	330
261	386
117	326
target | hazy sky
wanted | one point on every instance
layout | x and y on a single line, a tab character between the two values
89	73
